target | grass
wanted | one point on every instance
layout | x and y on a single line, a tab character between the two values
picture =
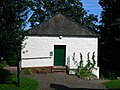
8	81
25	84
113	84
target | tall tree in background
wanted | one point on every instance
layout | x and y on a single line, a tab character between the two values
110	35
11	24
45	9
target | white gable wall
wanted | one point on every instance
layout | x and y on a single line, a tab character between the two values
40	47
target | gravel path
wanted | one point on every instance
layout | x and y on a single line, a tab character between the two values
63	81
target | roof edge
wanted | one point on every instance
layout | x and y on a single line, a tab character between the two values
61	35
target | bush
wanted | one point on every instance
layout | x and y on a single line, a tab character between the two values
86	71
26	71
112	75
2	64
108	74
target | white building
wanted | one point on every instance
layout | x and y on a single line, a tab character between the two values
59	42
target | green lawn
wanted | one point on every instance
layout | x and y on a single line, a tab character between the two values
25	84
113	84
8	81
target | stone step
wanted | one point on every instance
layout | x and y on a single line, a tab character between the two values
59	69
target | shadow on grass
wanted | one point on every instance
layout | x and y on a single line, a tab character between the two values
63	87
6	77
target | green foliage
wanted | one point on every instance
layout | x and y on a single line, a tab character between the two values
70	8
112	75
109	40
86	71
83	73
11	33
113	84
2	63
26	71
109	74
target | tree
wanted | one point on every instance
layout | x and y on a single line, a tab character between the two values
11	23
109	35
45	9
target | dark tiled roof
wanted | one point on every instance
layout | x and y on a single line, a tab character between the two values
60	25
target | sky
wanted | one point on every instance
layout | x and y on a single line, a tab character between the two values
92	7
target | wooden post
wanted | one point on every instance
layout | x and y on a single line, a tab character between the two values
18	67
18	74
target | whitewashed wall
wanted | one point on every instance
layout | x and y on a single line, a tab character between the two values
37	46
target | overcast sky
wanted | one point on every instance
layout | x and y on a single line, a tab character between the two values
92	7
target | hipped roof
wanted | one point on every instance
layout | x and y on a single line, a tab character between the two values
61	25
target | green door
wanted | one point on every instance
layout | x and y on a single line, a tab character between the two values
59	55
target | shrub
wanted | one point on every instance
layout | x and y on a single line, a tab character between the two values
2	64
26	71
86	71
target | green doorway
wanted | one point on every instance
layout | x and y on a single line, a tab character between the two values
59	55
